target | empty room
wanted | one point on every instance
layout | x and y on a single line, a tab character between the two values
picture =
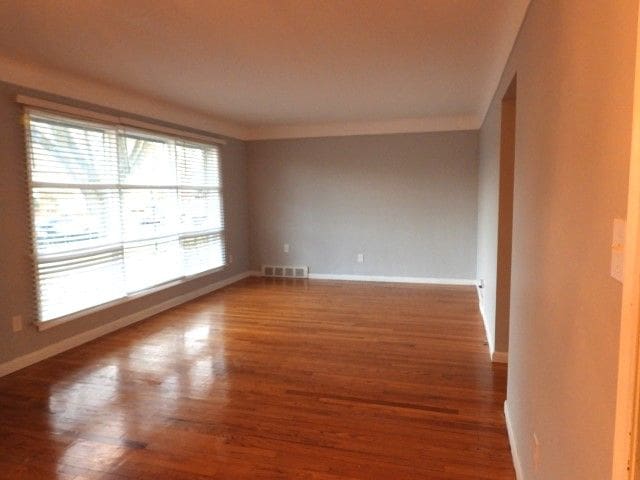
320	239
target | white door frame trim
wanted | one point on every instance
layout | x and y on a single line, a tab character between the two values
626	435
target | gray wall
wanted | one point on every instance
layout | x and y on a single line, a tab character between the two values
16	293
494	265
407	201
489	178
575	66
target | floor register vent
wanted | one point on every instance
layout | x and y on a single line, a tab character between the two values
283	271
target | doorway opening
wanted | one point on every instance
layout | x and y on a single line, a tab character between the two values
505	221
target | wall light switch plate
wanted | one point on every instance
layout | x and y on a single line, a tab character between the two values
360	258
285	248
617	249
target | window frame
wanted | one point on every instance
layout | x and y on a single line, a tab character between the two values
125	126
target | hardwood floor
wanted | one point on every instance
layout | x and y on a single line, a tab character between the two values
270	379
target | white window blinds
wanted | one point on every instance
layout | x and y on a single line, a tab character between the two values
117	211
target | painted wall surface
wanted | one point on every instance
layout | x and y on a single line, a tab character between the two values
17	296
495	205
406	201
575	66
488	203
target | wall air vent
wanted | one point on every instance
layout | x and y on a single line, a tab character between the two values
285	271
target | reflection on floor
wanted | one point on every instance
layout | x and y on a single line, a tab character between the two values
270	379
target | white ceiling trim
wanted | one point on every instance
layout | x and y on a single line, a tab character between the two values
118	121
502	61
64	84
68	85
402	125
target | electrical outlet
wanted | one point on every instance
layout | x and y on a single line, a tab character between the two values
360	258
285	248
536	452
16	323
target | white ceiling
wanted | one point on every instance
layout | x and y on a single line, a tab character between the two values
274	63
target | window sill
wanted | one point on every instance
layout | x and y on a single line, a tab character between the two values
48	324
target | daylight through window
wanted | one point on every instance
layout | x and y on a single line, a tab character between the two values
117	211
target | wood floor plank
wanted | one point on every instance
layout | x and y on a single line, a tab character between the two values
270	379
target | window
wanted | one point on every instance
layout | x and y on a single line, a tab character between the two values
117	211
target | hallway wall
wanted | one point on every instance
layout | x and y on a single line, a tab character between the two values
575	66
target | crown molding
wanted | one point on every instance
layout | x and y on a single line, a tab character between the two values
402	125
56	82
61	83
504	68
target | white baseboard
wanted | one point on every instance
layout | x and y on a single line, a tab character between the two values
496	357
512	441
481	302
72	342
487	332
383	278
500	357
390	279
